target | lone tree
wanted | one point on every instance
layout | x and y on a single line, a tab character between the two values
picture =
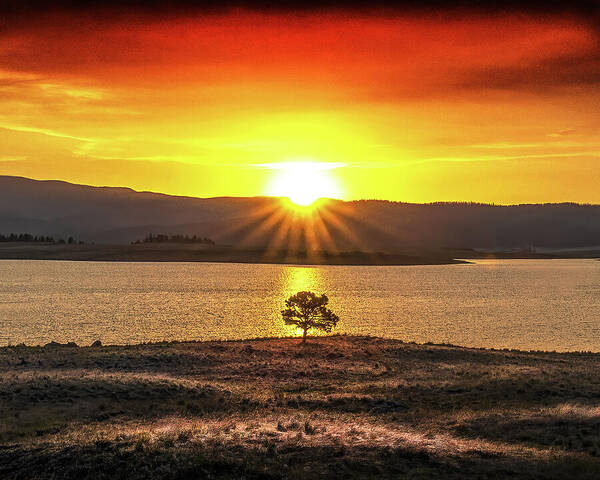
308	310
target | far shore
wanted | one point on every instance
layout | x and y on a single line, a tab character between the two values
170	252
173	252
339	407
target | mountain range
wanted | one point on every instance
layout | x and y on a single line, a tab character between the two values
114	215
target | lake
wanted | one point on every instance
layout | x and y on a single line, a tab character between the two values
525	304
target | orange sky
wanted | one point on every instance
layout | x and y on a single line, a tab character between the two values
416	106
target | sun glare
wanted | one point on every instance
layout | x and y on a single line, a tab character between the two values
304	182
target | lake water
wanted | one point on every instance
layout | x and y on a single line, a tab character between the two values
526	304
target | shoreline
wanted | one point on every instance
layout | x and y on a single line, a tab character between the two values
226	254
219	254
292	339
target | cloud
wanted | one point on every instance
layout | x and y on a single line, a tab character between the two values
562	133
300	163
375	57
496	158
579	69
17	7
42	131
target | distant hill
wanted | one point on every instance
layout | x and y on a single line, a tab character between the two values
121	215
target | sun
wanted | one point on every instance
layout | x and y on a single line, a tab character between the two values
303	182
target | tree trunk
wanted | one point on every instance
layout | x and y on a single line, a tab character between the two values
304	335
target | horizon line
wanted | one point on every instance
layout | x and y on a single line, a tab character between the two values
436	202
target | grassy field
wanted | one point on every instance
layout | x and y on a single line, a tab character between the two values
338	407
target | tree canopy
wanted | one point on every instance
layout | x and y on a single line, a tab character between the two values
308	310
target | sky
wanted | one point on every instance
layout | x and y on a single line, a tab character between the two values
495	103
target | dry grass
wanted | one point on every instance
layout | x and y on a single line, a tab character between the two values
339	407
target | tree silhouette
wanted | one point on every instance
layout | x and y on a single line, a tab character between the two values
163	238
308	310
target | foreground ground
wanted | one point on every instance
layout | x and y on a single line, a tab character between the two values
339	407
